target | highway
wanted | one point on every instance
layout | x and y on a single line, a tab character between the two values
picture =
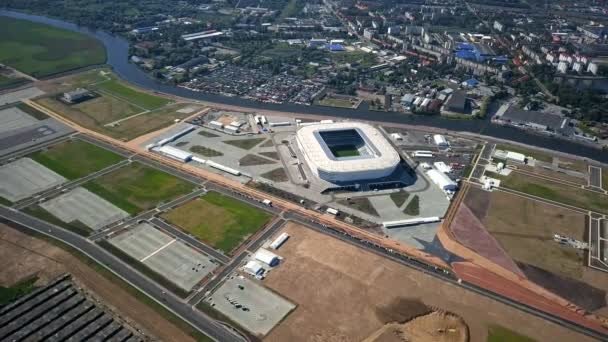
197	319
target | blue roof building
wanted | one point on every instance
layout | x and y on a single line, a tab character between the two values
335	47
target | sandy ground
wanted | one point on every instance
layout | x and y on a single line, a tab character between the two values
22	255
343	294
434	327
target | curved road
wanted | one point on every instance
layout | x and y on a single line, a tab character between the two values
182	309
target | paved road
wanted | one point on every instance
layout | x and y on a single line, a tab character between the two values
69	185
196	318
31	149
171	230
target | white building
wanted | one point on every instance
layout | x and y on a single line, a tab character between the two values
267	257
562	67
253	267
440	140
280	240
577	66
441	180
592	68
442	167
175	153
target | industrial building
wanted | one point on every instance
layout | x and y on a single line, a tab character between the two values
442	180
267	257
440	140
77	95
536	120
346	151
457	102
175	153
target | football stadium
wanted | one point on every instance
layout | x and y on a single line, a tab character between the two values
346	151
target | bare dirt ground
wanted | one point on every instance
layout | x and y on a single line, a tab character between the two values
343	294
18	250
434	327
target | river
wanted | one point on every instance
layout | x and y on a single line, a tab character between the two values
117	57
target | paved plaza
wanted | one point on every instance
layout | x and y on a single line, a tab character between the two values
24	178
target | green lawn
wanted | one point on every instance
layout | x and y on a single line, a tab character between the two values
75	159
5	202
344	151
123	91
31	111
137	187
554	191
413	208
205	151
400	197
499	334
22	288
219	220
9	82
245	144
75	226
41	50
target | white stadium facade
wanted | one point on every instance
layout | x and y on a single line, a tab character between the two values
346	151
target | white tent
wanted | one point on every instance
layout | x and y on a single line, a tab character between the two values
254	268
266	257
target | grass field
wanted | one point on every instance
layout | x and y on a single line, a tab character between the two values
525	228
361	204
554	191
499	334
10	294
276	175
121	90
538	155
207	134
400	197
221	221
9	82
362	58
41	50
137	187
149	122
341	151
75	159
413	208
36	114
335	102
245	144
205	151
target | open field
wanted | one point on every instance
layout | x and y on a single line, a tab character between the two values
277	175
500	334
400	197
358	298
125	92
22	255
75	159
336	102
41	50
137	187
361	204
253	160
219	220
93	113
521	230
541	171
554	191
12	293
433	327
149	122
538	155
9	82
245	144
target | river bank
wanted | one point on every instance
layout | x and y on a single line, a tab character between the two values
117	57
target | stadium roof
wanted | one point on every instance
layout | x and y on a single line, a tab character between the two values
383	154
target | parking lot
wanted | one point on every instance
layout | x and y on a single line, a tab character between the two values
252	306
171	258
86	207
24	178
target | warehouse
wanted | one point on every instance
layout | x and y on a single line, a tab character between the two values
175	153
267	257
346	151
440	140
442	181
